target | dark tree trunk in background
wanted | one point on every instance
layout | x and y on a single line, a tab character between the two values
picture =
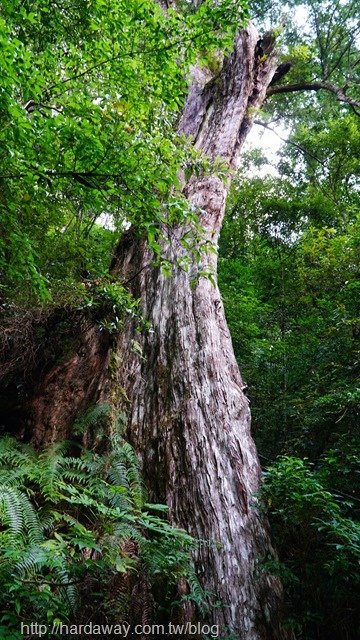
188	417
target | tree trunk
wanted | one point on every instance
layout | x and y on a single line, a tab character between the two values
188	416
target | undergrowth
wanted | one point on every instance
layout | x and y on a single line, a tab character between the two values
70	527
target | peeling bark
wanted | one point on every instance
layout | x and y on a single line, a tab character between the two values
188	417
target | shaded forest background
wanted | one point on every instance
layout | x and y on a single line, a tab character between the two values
90	98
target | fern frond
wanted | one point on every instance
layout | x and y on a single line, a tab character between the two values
126	531
125	471
17	512
50	467
96	416
31	562
66	587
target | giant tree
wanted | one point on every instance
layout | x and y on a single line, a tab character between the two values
168	174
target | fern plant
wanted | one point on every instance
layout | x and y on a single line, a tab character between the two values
67	522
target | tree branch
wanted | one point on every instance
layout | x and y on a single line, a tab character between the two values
314	86
305	152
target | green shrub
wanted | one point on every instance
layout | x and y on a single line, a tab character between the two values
318	545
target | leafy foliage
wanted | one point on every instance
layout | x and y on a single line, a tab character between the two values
320	41
91	93
69	522
289	272
319	546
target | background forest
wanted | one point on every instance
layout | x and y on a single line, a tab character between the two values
90	96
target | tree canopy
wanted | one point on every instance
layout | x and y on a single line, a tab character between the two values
90	97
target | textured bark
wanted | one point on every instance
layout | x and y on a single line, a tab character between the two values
188	416
53	365
69	388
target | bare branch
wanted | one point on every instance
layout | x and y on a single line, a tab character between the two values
305	152
314	86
